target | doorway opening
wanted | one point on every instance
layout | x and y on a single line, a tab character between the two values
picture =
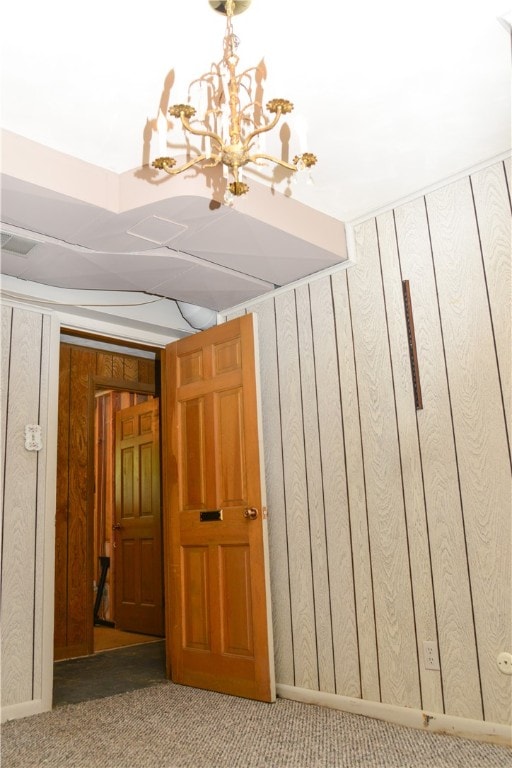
109	563
127	549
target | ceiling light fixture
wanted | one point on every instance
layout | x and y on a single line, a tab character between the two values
237	138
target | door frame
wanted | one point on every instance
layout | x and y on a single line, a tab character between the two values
98	382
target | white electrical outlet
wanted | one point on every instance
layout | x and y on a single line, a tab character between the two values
430	654
504	662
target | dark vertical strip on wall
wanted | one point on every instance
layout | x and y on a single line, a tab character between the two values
456	458
364	481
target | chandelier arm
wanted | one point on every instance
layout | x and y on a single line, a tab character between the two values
174	171
264	128
260	156
211	134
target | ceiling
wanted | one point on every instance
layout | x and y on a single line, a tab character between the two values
391	97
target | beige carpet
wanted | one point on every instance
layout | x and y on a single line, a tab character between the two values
106	638
171	726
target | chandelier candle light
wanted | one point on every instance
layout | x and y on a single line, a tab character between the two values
236	150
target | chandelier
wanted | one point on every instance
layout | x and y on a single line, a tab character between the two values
238	140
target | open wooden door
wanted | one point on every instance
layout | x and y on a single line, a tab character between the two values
217	597
137	534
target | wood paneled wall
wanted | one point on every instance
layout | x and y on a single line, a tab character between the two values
390	526
82	369
24	400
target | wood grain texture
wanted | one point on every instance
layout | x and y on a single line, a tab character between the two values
315	495
20	499
61	512
337	520
274	479
492	205
297	515
41	511
440	475
388	536
104	362
146	372
479	427
117	367
79	554
130	368
419	549
363	581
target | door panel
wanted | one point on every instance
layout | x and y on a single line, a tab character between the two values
137	534
216	579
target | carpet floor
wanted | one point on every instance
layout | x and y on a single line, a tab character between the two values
172	726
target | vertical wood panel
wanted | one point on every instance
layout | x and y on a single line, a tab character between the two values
479	431
419	551
104	364
5	353
315	495
117	367
302	601
146	371
62	500
492	205
274	482
449	566
20	494
131	369
369	665
40	508
339	535
395	620
79	623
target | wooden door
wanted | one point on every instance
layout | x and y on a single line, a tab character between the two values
137	534
215	523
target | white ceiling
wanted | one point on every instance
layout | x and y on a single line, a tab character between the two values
392	97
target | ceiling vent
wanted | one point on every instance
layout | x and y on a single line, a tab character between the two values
18	245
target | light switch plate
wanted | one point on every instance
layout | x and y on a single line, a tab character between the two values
33	437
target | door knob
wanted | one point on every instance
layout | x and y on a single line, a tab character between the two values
117	527
250	513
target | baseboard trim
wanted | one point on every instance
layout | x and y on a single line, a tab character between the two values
478	730
26	709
